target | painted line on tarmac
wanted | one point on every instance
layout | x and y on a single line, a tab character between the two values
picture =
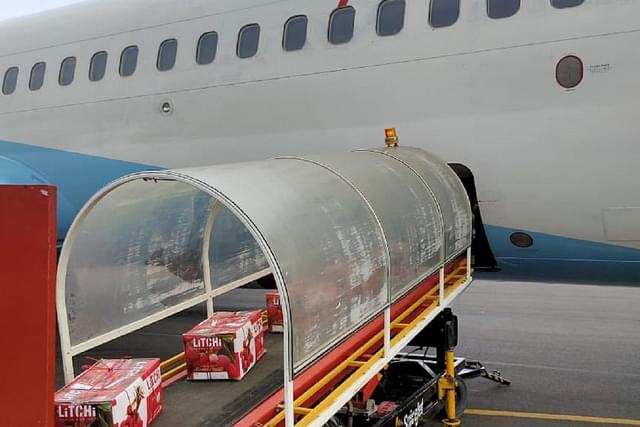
560	369
552	417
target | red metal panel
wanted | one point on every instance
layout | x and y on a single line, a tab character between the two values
27	304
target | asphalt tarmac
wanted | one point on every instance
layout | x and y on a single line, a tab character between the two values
569	350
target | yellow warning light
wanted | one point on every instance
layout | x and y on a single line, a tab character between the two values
391	137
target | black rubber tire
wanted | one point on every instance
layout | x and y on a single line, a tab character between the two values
334	422
462	395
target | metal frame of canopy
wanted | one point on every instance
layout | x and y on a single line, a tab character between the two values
380	222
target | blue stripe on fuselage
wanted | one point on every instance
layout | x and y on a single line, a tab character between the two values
555	258
77	176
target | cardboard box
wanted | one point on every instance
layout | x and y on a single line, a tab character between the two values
225	346
113	393
274	311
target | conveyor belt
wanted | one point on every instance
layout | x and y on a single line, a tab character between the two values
221	403
162	339
188	403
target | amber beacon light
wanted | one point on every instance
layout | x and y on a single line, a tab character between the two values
391	137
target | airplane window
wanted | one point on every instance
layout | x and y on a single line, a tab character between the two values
10	81
341	24
390	17
37	76
295	33
497	9
207	48
128	61
248	40
561	4
167	54
67	71
443	13
98	66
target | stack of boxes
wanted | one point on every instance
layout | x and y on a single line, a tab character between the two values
113	393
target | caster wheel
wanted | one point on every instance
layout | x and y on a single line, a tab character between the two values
461	399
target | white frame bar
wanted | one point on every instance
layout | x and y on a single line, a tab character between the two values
469	263
387	332
441	287
206	265
289	404
69	351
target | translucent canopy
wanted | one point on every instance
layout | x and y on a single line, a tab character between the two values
448	191
343	235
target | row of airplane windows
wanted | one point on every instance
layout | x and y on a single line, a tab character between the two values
391	13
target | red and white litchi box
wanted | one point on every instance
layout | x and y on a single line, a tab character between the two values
225	346
274	311
112	392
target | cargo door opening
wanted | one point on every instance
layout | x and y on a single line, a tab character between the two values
482	257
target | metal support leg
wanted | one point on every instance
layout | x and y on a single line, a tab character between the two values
442	334
447	390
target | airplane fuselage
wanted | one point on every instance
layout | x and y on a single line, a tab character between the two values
559	164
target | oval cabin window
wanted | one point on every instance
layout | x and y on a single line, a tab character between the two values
10	81
207	48
167	55
128	61
295	33
67	71
390	17
37	76
98	66
341	23
498	9
443	13
248	41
